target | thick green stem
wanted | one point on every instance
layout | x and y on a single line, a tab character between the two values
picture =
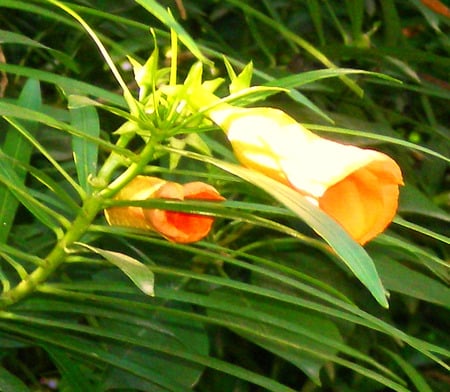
133	170
57	256
114	160
90	208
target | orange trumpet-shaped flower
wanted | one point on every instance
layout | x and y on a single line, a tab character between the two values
358	187
176	226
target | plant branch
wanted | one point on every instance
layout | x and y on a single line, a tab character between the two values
89	210
57	256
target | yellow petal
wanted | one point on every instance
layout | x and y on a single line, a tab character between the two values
262	139
140	188
357	187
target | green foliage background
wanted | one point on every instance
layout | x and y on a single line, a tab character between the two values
263	303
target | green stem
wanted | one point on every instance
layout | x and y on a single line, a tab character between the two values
91	207
133	170
57	256
114	160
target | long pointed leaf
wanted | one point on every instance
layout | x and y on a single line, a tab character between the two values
350	252
18	148
166	17
85	152
141	276
10	383
71	371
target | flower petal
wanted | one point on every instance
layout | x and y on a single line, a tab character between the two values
178	226
355	203
140	188
357	187
175	226
201	191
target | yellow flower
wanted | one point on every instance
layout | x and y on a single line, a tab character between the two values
358	187
176	226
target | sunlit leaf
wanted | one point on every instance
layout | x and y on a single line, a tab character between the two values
166	17
70	86
139	273
85	152
350	252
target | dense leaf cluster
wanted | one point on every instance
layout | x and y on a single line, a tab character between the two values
264	303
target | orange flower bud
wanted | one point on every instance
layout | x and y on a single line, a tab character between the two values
176	226
358	187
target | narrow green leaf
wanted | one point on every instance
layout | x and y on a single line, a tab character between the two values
12	110
430	233
350	252
87	348
300	79
420	255
70	86
412	200
21	255
295	94
48	217
355	10
55	187
42	150
141	276
392	23
10	383
351	314
305	353
416	378
292	82
317	15
10	37
167	18
85	152
252	94
18	39
72	375
401	279
295	38
18	148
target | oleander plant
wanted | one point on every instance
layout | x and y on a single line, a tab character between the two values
224	196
